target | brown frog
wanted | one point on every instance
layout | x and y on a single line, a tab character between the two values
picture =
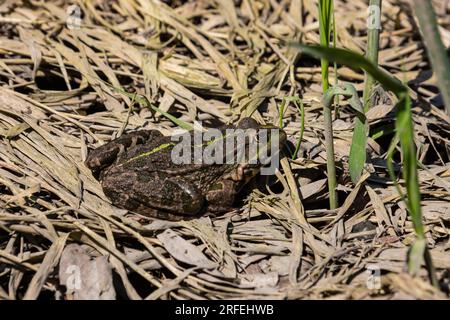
138	172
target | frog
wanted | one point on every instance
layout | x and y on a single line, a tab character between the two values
137	173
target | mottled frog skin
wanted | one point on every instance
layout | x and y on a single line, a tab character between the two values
137	173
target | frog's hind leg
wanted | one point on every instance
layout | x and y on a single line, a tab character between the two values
221	195
106	155
151	195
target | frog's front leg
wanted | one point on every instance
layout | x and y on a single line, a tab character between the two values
151	194
106	155
221	195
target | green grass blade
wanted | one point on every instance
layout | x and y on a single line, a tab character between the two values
357	157
325	23
404	133
281	112
346	90
416	256
435	47
301	108
144	101
354	60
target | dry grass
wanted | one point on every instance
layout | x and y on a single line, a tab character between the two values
213	61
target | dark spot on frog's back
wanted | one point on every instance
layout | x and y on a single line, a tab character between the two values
144	179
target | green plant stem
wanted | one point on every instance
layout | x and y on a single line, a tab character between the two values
358	148
331	166
329	145
404	133
373	40
346	90
325	21
300	108
435	48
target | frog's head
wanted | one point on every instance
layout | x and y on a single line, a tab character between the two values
247	147
262	147
273	135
